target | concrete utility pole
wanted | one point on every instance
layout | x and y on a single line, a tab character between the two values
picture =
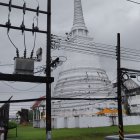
120	117
48	73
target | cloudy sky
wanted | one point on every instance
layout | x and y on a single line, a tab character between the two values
103	18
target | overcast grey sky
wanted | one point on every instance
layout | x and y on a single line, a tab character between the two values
103	18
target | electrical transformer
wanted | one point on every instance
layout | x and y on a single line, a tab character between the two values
24	66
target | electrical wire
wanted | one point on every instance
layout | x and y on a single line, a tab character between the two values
133	1
100	49
11	41
17	51
9	24
23	100
83	104
36	17
102	52
108	47
20	89
4	92
40	69
6	65
129	50
34	44
14	105
25	50
101	45
132	54
23	27
84	50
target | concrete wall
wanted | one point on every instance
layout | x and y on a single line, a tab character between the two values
131	120
59	123
36	123
42	123
81	122
72	123
95	121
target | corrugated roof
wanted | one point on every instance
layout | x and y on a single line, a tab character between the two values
38	102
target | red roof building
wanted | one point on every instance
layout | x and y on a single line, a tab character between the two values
39	113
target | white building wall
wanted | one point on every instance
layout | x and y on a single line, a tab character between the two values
71	122
81	122
54	123
36	123
131	120
93	121
59	122
101	121
85	122
42	123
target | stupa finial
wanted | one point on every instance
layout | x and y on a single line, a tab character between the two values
79	27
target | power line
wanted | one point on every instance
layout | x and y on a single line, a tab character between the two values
21	8
6	64
13	105
23	100
129	50
102	53
20	92
90	99
133	1
98	50
105	50
12	42
97	45
21	89
41	99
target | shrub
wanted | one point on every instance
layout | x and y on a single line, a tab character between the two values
12	125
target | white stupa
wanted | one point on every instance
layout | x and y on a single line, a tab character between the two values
81	76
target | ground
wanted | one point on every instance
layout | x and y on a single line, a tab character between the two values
30	133
26	133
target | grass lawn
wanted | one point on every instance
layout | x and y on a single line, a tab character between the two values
27	133
30	133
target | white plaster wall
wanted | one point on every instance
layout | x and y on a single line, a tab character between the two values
101	121
75	60
95	121
131	120
59	123
71	122
85	122
42	123
54	123
36	123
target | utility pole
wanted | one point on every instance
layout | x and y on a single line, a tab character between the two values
31	78
48	73
120	117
